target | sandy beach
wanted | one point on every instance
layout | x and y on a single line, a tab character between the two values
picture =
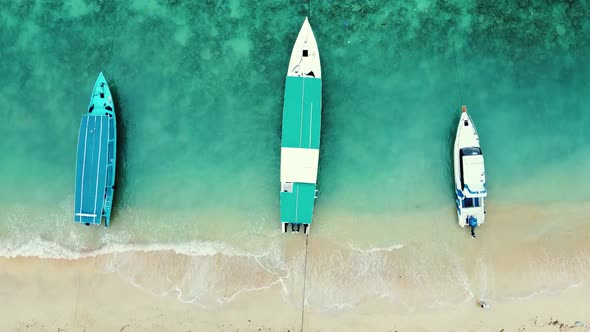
54	295
198	90
537	282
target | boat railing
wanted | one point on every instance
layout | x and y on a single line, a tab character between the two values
108	203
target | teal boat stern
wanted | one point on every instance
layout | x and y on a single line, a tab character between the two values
297	204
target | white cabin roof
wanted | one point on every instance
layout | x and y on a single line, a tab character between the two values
299	165
305	57
474	176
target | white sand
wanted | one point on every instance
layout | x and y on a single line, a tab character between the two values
51	295
532	265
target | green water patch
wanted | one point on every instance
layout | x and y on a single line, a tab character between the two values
199	90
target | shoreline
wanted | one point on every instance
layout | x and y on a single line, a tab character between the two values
537	267
361	231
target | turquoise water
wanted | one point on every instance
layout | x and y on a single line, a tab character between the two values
199	86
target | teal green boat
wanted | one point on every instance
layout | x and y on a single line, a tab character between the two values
300	141
95	163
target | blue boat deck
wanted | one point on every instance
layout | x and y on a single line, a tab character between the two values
94	169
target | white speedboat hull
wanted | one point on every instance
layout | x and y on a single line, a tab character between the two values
470	184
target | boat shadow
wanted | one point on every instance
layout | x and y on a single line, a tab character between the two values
120	174
449	167
325	146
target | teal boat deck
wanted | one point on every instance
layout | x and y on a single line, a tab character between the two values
301	130
297	206
302	113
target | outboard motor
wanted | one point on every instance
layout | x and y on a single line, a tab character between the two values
472	221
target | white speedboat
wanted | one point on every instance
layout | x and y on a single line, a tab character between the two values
470	175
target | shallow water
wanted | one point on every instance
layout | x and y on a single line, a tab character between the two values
198	89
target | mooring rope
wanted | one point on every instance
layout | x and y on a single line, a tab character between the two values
112	40
458	76
76	304
304	279
306	235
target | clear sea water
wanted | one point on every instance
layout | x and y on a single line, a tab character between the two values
198	88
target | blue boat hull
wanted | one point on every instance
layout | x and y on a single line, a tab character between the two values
96	158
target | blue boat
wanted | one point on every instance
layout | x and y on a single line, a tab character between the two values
95	163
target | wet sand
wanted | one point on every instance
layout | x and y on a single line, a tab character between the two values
54	295
532	268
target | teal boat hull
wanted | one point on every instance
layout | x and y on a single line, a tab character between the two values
96	158
301	127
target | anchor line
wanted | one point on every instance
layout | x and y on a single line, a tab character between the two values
77	300
112	40
304	279
457	75
309	8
